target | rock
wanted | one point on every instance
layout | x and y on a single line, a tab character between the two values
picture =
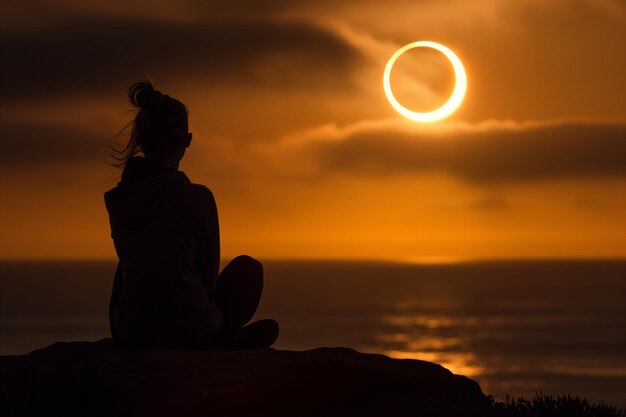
98	379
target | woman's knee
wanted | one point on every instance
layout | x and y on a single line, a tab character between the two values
252	266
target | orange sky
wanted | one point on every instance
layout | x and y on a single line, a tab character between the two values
294	135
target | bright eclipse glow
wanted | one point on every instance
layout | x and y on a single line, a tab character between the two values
453	102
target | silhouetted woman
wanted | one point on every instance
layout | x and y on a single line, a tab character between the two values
168	291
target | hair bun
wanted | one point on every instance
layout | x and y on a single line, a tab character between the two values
143	95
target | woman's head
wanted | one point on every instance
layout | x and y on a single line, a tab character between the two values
160	127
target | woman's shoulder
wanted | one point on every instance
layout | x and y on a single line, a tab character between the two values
199	193
200	190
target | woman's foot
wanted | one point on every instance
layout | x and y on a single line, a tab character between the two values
256	335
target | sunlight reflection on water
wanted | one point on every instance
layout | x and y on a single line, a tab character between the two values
464	345
457	363
429	321
409	342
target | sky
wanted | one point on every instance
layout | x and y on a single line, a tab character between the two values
296	139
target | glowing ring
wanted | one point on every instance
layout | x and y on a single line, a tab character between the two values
453	102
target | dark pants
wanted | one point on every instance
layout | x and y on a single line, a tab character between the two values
237	294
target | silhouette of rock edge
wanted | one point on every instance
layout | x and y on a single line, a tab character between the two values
98	379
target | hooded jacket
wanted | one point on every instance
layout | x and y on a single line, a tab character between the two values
166	235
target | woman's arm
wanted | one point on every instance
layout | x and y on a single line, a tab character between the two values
209	242
115	295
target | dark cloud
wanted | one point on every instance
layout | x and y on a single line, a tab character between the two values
474	154
487	155
95	54
26	144
240	8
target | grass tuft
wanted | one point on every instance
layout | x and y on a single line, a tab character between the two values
544	405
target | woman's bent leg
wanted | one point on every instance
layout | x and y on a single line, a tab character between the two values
238	292
258	334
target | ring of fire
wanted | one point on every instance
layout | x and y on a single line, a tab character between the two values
453	102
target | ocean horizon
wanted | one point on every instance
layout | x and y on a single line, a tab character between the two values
514	326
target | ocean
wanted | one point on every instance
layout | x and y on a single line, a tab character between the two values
516	327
